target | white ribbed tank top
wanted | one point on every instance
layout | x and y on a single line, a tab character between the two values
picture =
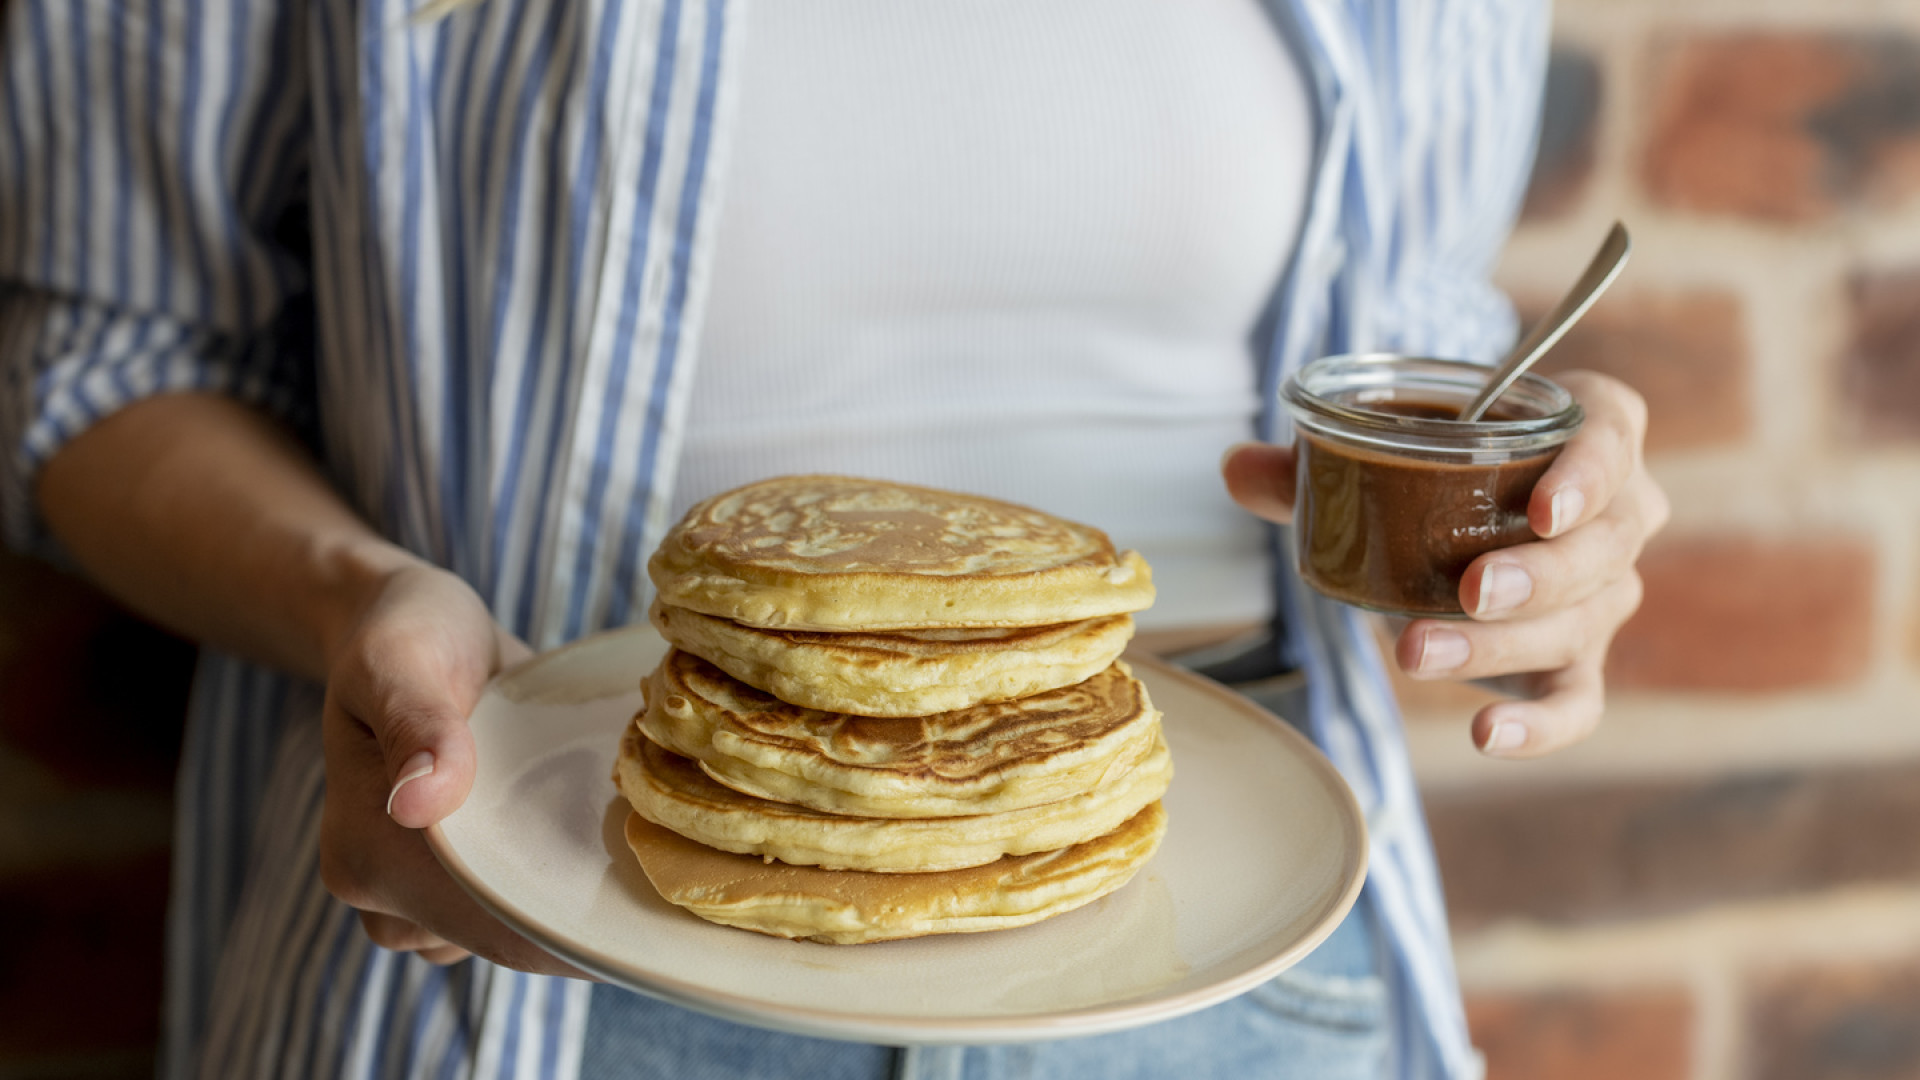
1009	247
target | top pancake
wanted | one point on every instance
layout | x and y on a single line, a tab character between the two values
842	553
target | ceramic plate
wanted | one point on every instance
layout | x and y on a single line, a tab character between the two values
1264	853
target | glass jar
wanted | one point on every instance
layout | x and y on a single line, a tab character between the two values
1395	497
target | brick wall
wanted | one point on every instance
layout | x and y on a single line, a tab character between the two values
90	719
1724	883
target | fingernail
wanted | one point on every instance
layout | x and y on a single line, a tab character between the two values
1442	650
1503	587
417	766
1566	506
1505	735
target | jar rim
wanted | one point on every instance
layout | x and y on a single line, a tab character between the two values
1309	396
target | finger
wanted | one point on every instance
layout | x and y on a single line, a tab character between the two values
412	696
386	870
1437	649
398	934
1260	477
355	833
428	756
450	954
509	650
447	911
1568	712
1534	578
428	745
1596	461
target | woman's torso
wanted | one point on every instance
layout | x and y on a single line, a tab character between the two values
1009	248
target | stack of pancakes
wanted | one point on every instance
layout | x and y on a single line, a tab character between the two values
890	711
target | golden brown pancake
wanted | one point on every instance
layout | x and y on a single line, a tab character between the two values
902	672
672	791
986	759
842	553
847	906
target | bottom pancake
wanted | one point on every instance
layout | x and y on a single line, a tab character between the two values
845	907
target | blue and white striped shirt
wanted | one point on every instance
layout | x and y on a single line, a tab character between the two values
511	213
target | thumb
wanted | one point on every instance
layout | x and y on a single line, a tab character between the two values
1260	478
429	755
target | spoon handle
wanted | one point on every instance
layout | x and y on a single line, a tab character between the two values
1606	266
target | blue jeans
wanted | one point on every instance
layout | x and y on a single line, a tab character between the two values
1324	1019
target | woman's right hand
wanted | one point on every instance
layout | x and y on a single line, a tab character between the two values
208	517
401	681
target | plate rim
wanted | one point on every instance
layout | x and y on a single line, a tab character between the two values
977	1030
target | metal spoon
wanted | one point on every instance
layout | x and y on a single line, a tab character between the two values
1606	266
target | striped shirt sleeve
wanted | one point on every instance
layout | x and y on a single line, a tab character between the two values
150	151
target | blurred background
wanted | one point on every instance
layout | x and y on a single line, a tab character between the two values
1723	884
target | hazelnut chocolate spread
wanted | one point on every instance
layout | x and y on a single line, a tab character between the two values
1395	530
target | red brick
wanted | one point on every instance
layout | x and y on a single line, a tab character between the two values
1637	848
81	1065
1569	118
87	690
80	962
1749	614
77	827
1784	127
1880	373
1645	1034
1836	1023
1685	352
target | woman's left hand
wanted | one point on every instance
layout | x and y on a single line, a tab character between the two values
1541	614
